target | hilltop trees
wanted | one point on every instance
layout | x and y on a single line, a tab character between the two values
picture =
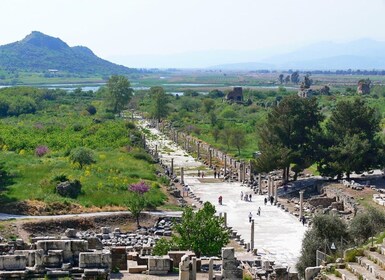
119	93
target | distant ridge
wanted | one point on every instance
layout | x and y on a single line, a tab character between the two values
38	52
363	54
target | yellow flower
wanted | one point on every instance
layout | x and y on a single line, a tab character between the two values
22	152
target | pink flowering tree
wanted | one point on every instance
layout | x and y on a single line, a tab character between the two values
138	199
41	150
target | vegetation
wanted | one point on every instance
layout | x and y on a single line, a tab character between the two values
37	148
201	231
119	93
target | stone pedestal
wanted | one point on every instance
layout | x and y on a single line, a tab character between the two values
301	204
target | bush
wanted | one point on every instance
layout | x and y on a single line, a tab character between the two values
141	155
91	109
351	254
41	151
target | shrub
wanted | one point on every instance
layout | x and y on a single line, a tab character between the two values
41	150
91	109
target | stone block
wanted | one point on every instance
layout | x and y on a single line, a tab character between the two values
70	233
310	272
230	265
119	258
57	273
94	243
228	253
98	259
106	230
137	269
29	254
176	256
232	274
13	262
53	258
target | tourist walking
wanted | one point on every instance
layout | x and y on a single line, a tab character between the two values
241	195
271	200
250	217
250	197
259	211
265	200
220	200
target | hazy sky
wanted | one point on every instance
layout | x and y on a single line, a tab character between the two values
131	27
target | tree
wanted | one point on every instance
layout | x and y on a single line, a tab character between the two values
367	224
82	156
238	138
215	132
294	77
351	142
287	79
208	105
119	93
159	101
138	199
325	230
201	231
91	109
289	135
280	78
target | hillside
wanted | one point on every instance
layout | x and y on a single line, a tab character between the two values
38	52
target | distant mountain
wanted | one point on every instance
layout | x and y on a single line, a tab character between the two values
40	52
361	54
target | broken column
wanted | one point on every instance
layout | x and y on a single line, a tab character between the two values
252	236
210	157
301	204
181	175
259	183
198	150
172	167
276	192
225	219
230	269
268	186
211	268
184	268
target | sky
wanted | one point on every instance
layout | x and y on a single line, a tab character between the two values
120	29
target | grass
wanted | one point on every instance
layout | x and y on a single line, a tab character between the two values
103	183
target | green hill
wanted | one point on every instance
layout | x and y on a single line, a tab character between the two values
39	53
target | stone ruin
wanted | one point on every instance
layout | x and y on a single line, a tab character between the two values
79	255
55	258
236	95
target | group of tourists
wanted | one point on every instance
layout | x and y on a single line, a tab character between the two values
246	197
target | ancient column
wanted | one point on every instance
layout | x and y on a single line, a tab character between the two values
225	219
172	167
259	183
276	192
211	268
184	268
225	166
301	204
268	186
181	175
176	137
194	268
198	150
188	145
252	236
210	157
240	173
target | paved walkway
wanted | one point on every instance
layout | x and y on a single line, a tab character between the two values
278	235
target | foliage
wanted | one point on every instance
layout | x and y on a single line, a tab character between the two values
367	224
325	230
351	143
201	231
163	246
238	138
119	93
138	199
159	99
91	109
82	156
351	254
41	150
289	135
